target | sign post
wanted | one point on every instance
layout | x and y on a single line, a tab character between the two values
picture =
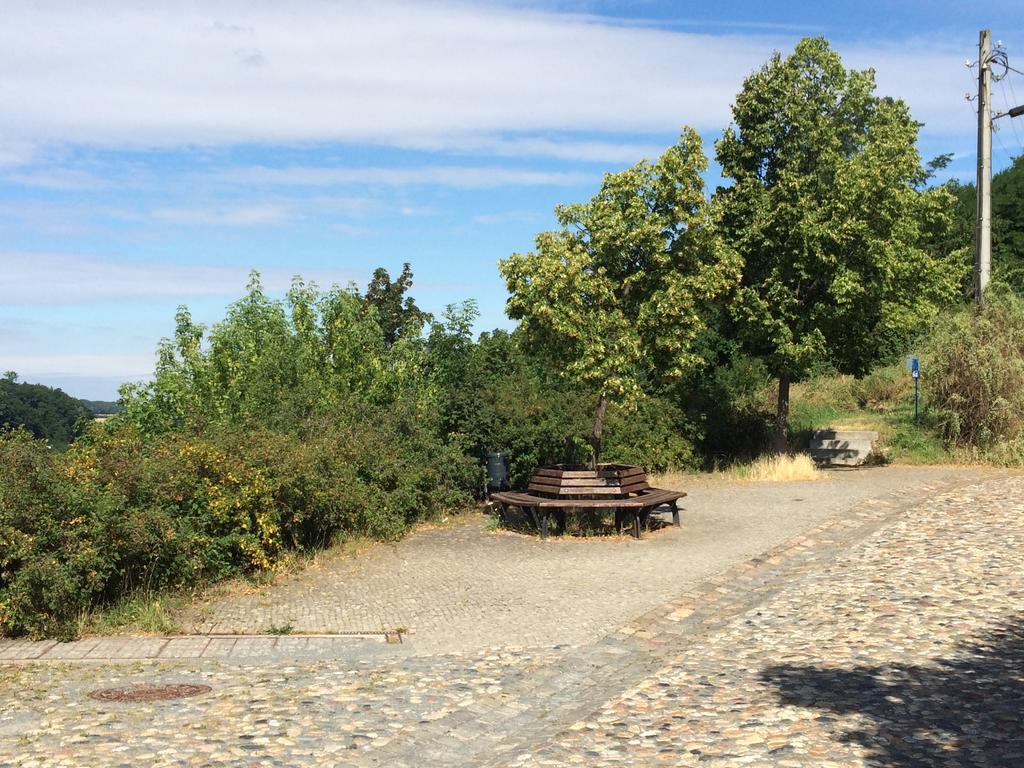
914	366
915	371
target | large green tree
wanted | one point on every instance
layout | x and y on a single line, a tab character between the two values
618	292
395	310
827	212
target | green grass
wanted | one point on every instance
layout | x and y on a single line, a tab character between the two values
140	613
279	629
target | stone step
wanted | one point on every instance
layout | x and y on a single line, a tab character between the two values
845	434
825	454
841	447
850	445
841	461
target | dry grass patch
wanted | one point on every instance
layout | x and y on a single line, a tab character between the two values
777	469
677	481
767	469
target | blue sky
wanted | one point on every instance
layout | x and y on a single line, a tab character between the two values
151	154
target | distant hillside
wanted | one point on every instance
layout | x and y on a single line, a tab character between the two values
47	413
96	407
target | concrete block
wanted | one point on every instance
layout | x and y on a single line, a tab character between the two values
839	447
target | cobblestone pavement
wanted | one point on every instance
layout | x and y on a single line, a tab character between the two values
888	636
462	587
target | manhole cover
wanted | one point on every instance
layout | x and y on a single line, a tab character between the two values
148	692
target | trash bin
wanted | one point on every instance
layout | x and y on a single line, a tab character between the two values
497	471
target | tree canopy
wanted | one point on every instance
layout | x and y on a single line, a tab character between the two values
396	312
1007	222
826	211
618	292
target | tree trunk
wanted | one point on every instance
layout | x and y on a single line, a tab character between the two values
595	436
780	437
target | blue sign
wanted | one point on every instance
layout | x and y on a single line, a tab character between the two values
915	367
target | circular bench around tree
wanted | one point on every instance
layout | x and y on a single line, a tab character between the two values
620	487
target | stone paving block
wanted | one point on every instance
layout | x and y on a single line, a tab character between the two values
184	647
132	648
77	649
292	645
24	648
219	647
248	647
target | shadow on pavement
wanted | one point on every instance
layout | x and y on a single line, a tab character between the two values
964	711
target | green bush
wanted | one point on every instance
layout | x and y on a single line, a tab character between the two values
656	436
120	514
976	375
53	541
727	414
884	388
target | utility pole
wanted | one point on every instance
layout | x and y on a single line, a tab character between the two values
987	57
983	220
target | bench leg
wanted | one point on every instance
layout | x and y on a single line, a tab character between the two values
637	517
675	513
618	521
543	518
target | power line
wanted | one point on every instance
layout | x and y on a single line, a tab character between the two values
999	140
1009	105
1013	93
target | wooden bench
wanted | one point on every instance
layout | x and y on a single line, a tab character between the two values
620	487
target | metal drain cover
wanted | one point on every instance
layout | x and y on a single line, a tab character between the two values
149	692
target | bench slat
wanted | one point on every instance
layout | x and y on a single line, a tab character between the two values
650	498
635	485
632	472
548	473
544	485
576	491
577	482
584	474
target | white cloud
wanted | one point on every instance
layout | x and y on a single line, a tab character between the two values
62	179
226	71
124	73
122	367
584	150
459	176
32	278
16	153
77	217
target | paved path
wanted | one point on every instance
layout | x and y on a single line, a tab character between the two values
888	636
463	588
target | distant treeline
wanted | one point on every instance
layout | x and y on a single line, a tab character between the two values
49	414
100	407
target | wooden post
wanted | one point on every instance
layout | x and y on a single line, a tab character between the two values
780	439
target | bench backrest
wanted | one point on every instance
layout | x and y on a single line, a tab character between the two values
607	481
